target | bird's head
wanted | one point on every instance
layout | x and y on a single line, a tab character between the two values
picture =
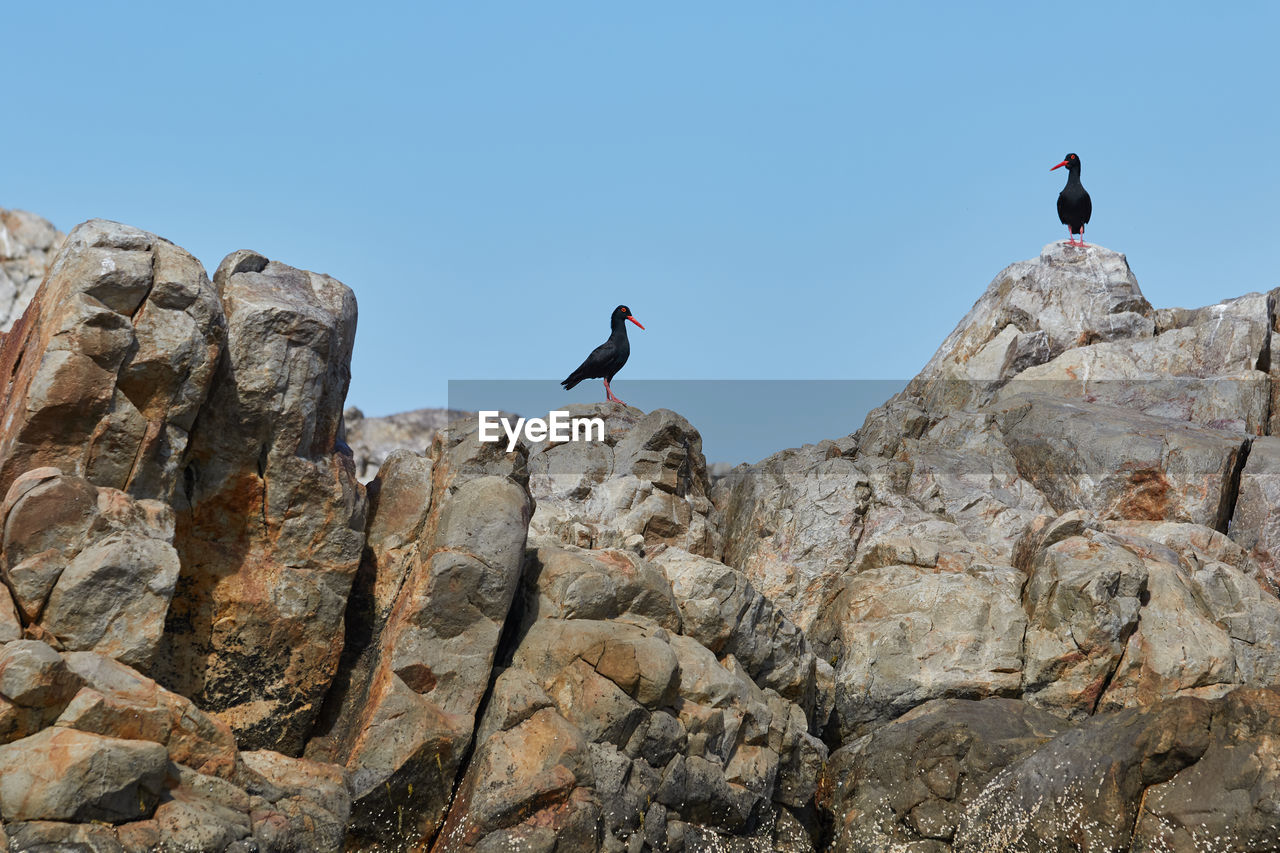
621	313
1071	161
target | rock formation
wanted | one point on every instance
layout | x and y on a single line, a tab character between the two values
372	440
27	247
1029	605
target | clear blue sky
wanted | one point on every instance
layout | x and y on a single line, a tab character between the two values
814	190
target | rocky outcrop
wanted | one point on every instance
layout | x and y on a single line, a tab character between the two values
27	246
611	730
1030	604
445	552
645	484
373	439
269	518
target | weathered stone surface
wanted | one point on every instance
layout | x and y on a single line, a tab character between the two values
1120	464
118	701
111	363
439	577
270	518
910	634
1255	524
656	742
312	810
911	780
791	524
373	439
35	685
90	565
1032	312
27	247
64	774
573	583
645	484
1083	600
1082	789
1226	800
724	612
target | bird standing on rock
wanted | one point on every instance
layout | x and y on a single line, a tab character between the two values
608	358
1074	204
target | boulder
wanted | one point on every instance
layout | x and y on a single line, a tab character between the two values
446	550
910	781
1121	464
111	363
910	634
722	610
117	701
645	484
1082	789
35	686
1226	800
92	567
65	774
270	518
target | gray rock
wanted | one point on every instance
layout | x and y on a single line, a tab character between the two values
64	774
1083	788
645	484
28	244
1255	524
911	780
270	519
373	440
434	593
111	364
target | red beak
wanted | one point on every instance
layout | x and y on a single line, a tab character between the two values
1059	166
634	320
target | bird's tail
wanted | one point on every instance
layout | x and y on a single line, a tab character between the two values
573	379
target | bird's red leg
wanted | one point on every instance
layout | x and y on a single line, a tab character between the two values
609	393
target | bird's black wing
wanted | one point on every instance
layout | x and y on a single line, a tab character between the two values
1086	207
594	367
1063	208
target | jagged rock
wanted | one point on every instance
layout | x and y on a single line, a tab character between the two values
111	363
791	524
118	701
270	518
373	440
1032	312
645	483
91	566
1083	600
723	611
64	774
1120	464
35	686
614	724
911	780
1255	524
27	247
1082	789
573	583
443	567
1225	801
910	634
313	809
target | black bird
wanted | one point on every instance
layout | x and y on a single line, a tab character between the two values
608	358
1074	204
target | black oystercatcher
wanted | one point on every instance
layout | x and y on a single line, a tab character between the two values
1074	205
608	358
